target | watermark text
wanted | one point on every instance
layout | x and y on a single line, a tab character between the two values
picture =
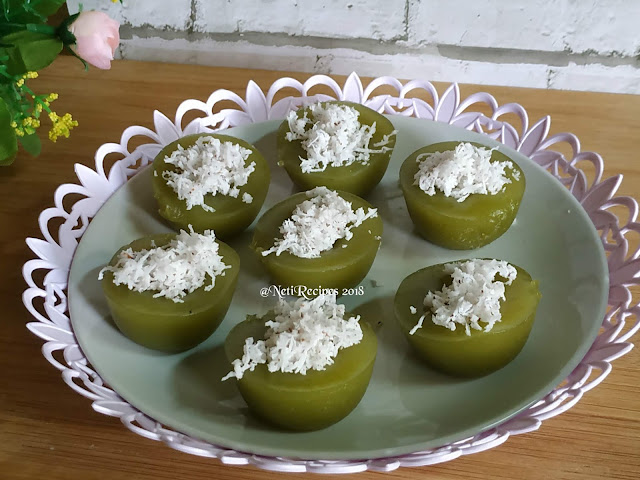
308	292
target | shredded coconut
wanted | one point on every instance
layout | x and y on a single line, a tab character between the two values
413	310
473	296
465	171
208	167
247	198
316	224
174	270
305	335
334	137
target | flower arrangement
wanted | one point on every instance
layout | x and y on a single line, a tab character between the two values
28	44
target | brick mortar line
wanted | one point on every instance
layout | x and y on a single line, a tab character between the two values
387	47
192	17
405	35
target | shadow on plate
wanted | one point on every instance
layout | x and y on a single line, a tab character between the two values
249	261
280	188
378	312
198	387
281	185
91	290
387	198
143	208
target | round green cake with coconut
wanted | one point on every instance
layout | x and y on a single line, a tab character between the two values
467	318
303	366
340	145
210	182
170	292
461	195
319	239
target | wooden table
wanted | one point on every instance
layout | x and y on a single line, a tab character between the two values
49	432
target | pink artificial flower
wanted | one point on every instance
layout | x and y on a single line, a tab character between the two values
97	38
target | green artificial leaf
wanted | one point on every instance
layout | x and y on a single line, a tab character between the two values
47	7
30	51
8	142
7	28
31	144
5	162
28	11
4	80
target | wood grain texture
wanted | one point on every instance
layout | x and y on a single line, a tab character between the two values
49	432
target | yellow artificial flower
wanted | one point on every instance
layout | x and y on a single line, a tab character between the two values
20	83
30	123
48	99
61	126
31	75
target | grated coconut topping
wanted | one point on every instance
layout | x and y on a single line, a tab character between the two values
305	335
174	270
465	171
316	224
334	137
209	167
473	296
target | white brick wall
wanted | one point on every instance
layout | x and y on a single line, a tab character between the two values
492	23
566	44
174	14
332	18
543	25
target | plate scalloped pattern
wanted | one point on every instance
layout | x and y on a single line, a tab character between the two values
46	299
